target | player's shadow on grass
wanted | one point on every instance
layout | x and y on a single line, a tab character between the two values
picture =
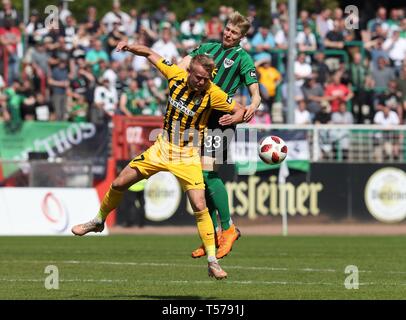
159	297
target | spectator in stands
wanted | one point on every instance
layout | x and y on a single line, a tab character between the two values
262	42
96	54
8	13
305	20
114	37
396	48
105	101
391	97
40	56
91	22
302	69
387	142
320	67
302	115
379	20
376	50
341	137
324	117
83	81
336	92
313	94
161	13
261	115
81	39
132	100
10	38
165	45
192	32
116	15
361	83
281	36
270	78
70	31
33	27
382	75
44	110
334	40
14	102
59	83
78	109
36	108
401	87
306	40
254	21
214	29
122	81
27	107
146	27
324	23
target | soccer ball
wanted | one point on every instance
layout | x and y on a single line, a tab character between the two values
272	150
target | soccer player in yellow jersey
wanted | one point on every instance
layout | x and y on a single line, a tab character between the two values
192	96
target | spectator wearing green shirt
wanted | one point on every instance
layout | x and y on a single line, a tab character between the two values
14	101
78	109
96	54
132	100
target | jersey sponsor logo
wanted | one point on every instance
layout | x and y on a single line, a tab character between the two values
229	100
253	74
180	105
168	63
228	63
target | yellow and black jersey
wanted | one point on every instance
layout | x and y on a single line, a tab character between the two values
187	111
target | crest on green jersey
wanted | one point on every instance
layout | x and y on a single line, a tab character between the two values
228	63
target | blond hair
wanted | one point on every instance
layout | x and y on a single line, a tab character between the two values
206	62
240	21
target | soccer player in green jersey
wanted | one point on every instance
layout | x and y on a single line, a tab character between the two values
234	68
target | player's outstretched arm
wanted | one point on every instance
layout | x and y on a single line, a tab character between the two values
255	101
139	50
236	116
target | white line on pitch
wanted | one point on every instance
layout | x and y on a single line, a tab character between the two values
176	265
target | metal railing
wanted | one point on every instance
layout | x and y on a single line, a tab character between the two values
348	143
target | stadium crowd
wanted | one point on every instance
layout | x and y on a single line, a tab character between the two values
71	71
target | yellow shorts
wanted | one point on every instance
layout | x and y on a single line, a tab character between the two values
183	163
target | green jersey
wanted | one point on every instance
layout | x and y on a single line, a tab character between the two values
234	68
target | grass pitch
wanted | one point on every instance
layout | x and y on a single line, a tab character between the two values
160	267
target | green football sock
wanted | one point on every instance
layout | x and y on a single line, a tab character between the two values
217	195
211	207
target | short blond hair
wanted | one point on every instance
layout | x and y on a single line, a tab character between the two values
240	21
206	62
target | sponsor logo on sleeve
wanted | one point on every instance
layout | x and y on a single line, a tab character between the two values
229	100
168	63
253	74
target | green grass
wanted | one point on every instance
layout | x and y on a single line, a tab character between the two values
159	267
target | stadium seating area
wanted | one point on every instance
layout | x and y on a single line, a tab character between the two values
347	70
